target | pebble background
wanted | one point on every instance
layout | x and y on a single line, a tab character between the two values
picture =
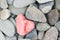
29	19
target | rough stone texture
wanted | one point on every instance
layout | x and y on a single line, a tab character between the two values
23	3
57	5
17	11
35	14
53	17
2	37
32	35
40	35
51	34
7	28
58	25
42	26
4	14
3	4
44	1
10	38
46	7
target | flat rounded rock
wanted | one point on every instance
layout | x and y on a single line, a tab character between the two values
40	35
44	1
10	38
35	14
53	16
43	26
23	25
22	3
3	4
7	28
46	7
51	34
2	36
4	14
58	25
32	35
17	11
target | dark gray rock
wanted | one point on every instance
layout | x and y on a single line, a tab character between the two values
53	16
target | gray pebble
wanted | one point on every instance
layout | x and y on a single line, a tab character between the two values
17	11
43	26
46	7
35	14
51	34
40	35
7	28
53	16
32	35
57	25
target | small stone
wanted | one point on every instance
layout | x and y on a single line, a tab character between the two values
10	38
32	35
17	11
25	39
10	2
58	38
2	36
51	34
23	3
40	35
4	14
53	16
23	25
7	28
35	14
3	4
57	5
44	1
42	26
58	25
20	37
46	7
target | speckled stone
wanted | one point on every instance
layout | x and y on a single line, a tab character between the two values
53	16
42	26
17	11
7	28
35	14
51	34
22	3
46	7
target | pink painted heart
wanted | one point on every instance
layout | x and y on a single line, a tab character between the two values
23	25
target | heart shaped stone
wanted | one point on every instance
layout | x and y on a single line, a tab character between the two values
23	25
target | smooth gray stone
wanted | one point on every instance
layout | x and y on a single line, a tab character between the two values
40	35
42	26
57	5
10	2
32	35
53	16
35	14
17	11
25	39
2	37
4	14
3	4
22	3
7	28
58	38
43	1
57	25
10	38
51	34
46	7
